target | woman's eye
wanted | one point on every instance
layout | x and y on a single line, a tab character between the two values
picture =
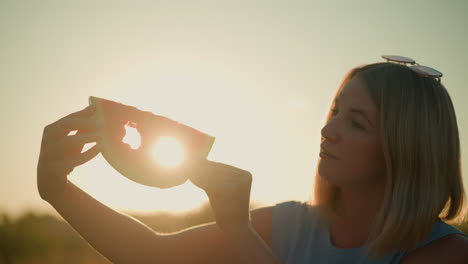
334	112
356	124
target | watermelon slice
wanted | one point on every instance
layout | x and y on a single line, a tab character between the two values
138	164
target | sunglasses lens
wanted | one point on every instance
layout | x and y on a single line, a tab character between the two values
400	59
426	71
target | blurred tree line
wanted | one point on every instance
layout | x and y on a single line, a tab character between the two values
40	238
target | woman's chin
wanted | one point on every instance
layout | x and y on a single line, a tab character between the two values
330	174
325	169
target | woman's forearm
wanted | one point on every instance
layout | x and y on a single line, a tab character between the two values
119	237
249	247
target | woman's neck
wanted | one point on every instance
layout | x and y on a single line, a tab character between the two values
350	223
358	206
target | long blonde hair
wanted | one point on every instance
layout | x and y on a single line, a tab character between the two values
420	143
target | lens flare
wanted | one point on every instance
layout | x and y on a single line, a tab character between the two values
168	152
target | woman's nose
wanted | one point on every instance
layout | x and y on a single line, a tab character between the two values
329	132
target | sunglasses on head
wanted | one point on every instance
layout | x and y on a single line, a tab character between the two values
420	69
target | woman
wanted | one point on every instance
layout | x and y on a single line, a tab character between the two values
389	168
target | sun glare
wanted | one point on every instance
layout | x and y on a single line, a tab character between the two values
168	152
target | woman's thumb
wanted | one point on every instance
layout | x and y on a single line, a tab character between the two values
202	174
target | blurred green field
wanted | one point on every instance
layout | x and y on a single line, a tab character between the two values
39	238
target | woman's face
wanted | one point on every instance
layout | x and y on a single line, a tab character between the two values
352	136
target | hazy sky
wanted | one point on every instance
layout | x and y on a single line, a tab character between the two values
257	75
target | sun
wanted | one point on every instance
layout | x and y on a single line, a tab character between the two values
168	152
118	191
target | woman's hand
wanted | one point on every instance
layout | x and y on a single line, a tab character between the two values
228	189
61	153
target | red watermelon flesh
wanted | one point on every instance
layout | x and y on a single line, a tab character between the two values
138	164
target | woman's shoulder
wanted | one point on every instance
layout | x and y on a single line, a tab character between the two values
445	244
281	215
295	211
452	248
284	208
293	207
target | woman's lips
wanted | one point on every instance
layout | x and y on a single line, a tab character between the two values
325	154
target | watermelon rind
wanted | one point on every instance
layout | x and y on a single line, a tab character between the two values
138	164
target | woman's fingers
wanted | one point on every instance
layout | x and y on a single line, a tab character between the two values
65	166
84	157
63	127
199	173
61	153
86	112
74	144
211	176
73	121
228	189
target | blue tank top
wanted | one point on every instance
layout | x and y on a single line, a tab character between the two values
300	236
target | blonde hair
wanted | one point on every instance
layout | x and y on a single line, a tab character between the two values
420	143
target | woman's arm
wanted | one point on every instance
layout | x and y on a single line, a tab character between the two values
119	237
122	238
207	243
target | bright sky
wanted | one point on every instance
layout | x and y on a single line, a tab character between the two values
257	75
